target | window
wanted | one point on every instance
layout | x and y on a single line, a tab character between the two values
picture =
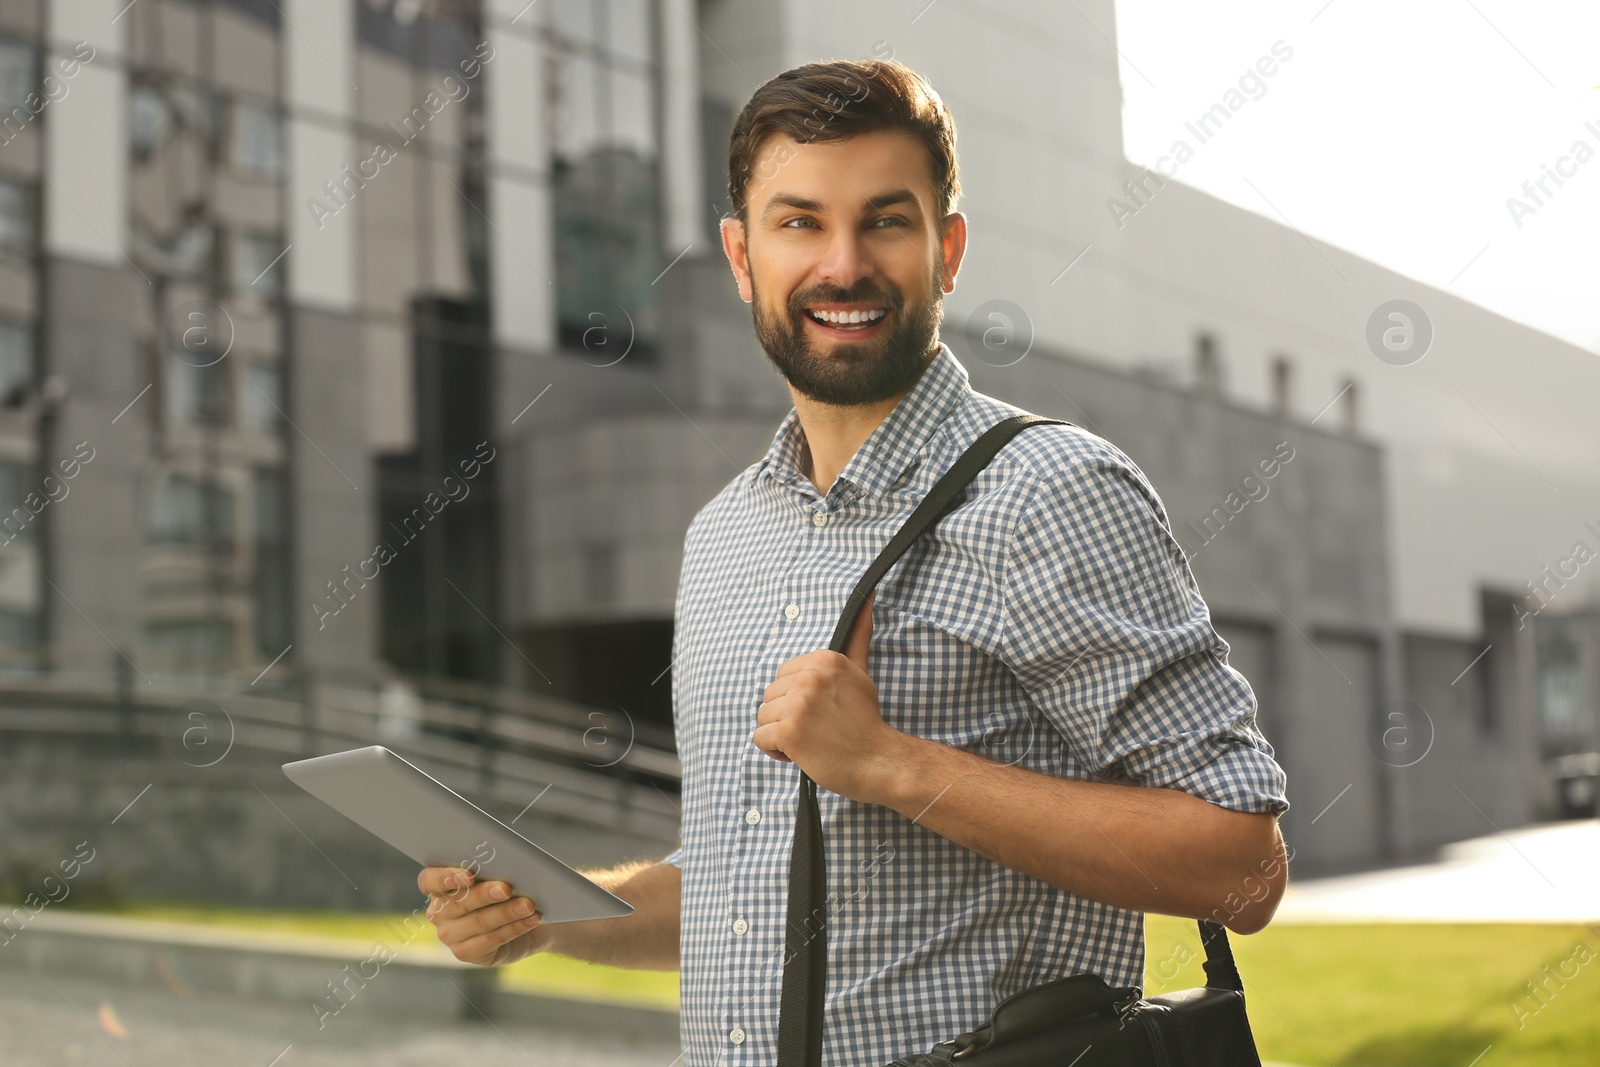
405	12
16	76
257	139
1207	366
195	106
16	361
16	218
1282	386
196	394
258	265
602	95
18	629
1562	690
188	644
16	521
265	10
188	253
157	109
271	579
185	512
149	120
262	396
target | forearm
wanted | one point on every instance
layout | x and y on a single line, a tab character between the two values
645	940
1134	847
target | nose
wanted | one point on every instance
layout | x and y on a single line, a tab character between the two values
846	259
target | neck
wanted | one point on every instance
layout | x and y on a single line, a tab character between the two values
833	434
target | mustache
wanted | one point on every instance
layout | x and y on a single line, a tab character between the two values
888	300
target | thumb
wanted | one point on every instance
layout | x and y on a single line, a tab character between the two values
861	634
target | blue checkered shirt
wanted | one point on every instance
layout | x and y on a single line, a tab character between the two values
1049	622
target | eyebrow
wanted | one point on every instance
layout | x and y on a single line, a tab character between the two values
877	203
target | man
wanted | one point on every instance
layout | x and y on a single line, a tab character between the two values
1033	736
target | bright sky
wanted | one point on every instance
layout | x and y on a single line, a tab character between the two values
1398	129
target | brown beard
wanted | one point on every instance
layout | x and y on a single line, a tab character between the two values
852	375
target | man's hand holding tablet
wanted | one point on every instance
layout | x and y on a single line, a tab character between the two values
505	898
482	923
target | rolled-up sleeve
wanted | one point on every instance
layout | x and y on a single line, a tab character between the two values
1106	630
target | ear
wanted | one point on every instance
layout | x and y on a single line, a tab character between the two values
738	253
952	247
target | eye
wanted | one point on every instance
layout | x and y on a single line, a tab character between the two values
895	219
801	218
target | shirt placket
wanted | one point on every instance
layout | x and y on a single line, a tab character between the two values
753	932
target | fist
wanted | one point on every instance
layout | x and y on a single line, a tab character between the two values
821	712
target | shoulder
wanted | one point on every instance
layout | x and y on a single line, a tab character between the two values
1053	466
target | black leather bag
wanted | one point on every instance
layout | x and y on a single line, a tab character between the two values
1078	1021
1083	1022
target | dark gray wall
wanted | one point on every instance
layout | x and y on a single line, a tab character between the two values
236	833
334	494
92	538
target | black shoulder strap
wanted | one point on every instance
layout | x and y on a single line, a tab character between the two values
1221	971
938	501
805	935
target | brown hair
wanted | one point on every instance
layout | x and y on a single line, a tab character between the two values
837	100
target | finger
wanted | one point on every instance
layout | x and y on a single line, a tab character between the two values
770	711
453	906
765	739
809	661
461	902
441	881
799	681
861	634
486	920
482	948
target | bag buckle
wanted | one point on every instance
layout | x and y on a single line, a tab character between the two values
970	1042
1128	1006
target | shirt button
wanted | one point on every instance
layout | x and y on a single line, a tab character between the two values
752	816
792	612
736	1035
819	518
741	927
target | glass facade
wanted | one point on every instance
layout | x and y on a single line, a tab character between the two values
205	158
16	219
21	499
602	90
16	361
209	203
1566	709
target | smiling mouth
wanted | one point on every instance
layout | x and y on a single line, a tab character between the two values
846	322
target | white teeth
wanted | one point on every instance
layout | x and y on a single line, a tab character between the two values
850	317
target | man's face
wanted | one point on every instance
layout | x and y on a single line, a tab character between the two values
846	230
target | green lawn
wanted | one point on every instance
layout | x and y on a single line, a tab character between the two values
1406	996
1347	996
543	974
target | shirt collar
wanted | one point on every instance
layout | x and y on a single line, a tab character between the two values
892	445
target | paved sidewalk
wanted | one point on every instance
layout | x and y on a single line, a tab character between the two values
416	979
1540	874
48	1020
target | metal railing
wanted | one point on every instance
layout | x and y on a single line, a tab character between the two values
499	747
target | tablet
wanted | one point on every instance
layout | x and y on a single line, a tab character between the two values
438	827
